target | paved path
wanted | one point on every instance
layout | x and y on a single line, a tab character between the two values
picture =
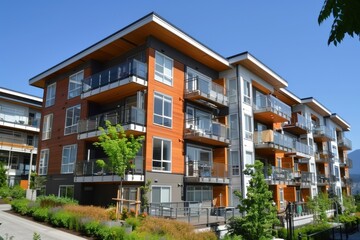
23	229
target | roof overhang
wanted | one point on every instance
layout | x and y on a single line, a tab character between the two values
316	106
254	65
341	122
135	35
287	97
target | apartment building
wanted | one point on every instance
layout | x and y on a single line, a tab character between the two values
203	116
19	131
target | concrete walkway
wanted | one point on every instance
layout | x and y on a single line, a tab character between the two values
23	229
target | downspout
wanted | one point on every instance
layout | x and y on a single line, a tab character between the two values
240	132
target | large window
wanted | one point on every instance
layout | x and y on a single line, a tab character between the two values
68	158
247	92
235	163
232	90
249	158
163	69
50	95
160	194
234	126
161	155
248	127
66	191
44	161
75	84
199	161
72	118
162	110
199	193
47	127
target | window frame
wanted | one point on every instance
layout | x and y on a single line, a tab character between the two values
164	98
47	126
161	187
234	126
162	76
248	127
162	152
192	189
44	161
247	91
66	189
50	95
76	82
71	162
235	168
73	126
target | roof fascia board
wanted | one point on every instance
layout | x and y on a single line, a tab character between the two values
23	95
347	125
290	94
319	105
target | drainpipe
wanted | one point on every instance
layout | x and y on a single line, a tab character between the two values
241	142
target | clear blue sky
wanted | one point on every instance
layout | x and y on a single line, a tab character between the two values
285	35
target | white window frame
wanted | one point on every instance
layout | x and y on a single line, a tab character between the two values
248	153
248	122
72	128
50	95
247	91
234	126
164	98
235	163
161	187
70	165
47	126
163	76
162	157
232	90
44	161
66	189
75	84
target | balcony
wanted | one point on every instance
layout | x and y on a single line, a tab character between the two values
347	162
19	122
206	172
204	91
273	141
298	124
17	144
323	134
324	157
344	143
301	150
269	109
322	180
305	179
346	182
206	131
116	82
279	176
88	171
132	119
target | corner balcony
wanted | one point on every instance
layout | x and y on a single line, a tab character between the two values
206	92
298	124
132	119
301	150
20	122
18	144
89	172
269	109
344	143
206	172
324	157
323	134
269	141
322	180
206	131
346	162
116	82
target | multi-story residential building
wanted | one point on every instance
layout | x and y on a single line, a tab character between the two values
19	131
204	118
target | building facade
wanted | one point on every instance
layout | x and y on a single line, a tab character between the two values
203	116
20	116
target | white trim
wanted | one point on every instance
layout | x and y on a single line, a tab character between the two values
172	114
66	185
161	186
319	105
338	118
291	95
161	160
19	94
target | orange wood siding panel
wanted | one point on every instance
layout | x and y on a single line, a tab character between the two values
289	194
220	196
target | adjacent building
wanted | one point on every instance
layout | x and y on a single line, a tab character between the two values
20	116
203	116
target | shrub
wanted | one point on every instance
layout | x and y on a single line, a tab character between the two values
17	192
41	214
110	233
95	213
133	222
21	206
62	219
4	192
90	228
54	201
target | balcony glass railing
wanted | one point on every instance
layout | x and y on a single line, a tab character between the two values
206	169
325	131
269	136
301	121
345	142
128	115
206	126
206	87
281	174
90	168
303	148
116	73
21	120
322	179
269	102
17	141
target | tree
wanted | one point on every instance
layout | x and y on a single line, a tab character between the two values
346	15
260	212
36	183
3	178
319	205
119	148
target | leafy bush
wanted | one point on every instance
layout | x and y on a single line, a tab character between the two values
62	219
133	222
95	213
54	201
41	214
21	206
17	192
4	192
90	228
110	233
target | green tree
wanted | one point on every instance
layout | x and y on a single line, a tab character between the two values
319	205
119	148
144	198
260	213
349	204
346	14
3	178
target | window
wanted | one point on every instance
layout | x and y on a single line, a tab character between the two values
162	110
249	158
66	191
247	91
199	193
75	84
68	158
248	127
163	69
199	161
160	194
161	155
232	90
281	197
235	163
50	95
44	161
234	125
47	126
72	118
